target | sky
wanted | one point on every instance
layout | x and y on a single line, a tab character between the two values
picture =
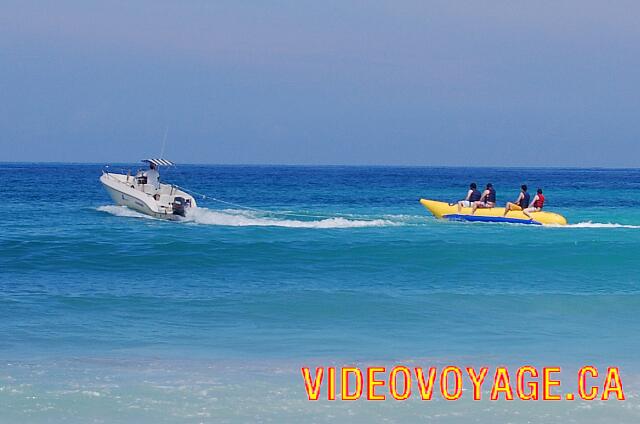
468	83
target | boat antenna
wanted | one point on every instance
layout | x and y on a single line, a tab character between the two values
164	141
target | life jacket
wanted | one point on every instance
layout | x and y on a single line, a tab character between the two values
475	196
491	197
540	202
526	199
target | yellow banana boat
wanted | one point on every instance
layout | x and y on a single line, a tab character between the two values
442	210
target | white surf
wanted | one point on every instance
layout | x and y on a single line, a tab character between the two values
237	218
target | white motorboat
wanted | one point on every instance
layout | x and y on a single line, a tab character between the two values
145	193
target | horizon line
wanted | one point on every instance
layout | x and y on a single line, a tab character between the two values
603	167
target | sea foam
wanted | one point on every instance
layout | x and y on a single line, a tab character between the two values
245	218
589	224
237	218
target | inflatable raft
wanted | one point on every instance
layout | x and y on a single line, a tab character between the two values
442	210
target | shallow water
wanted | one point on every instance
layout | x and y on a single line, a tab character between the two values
95	298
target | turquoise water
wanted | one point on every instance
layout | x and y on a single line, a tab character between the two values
108	315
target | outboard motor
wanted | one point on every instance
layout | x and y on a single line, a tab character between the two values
179	204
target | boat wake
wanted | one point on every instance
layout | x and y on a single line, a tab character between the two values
243	218
247	218
589	224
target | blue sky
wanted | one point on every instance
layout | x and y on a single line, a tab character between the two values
335	82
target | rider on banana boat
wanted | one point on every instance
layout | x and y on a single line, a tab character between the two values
521	203
487	200
473	195
536	205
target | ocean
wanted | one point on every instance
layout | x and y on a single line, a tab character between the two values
107	315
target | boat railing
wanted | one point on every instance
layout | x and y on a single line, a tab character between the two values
108	170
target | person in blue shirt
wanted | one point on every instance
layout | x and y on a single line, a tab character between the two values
487	200
521	203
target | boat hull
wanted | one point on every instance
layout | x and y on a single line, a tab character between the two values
123	194
442	210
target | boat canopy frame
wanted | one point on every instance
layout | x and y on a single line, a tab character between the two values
159	162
